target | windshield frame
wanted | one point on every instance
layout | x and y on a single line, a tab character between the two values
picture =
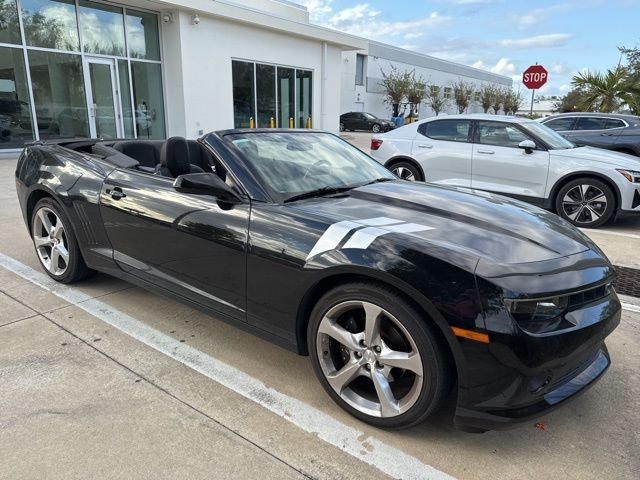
276	196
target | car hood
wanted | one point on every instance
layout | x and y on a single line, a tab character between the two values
487	226
599	155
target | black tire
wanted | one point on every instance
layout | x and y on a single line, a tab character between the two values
376	128
586	202
406	170
341	127
75	269
437	376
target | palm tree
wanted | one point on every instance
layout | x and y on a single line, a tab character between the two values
603	92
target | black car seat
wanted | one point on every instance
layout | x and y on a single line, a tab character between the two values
175	159
147	152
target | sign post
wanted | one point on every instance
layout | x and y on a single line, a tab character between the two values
533	78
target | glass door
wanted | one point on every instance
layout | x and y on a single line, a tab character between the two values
105	120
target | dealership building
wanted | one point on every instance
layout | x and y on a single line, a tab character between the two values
153	69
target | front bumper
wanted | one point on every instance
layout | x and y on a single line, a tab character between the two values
519	376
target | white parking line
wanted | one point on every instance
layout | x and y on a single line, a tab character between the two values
630	307
387	459
605	232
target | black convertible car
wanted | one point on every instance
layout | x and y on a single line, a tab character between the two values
403	294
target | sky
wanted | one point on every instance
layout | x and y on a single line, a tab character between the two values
502	36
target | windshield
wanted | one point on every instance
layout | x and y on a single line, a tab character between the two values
291	163
554	140
369	116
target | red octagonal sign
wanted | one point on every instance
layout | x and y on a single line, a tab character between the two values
534	77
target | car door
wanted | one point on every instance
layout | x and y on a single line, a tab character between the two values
562	125
499	165
443	149
593	131
189	244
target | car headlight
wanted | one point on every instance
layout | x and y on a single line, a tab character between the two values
538	310
632	175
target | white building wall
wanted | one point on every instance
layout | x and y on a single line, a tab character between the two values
442	73
200	66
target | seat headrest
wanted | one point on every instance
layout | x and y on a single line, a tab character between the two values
175	156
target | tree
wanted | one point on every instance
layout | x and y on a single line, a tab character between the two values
633	78
603	92
462	94
497	100
416	93
436	99
396	85
488	93
511	100
570	102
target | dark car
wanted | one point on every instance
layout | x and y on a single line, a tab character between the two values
604	130
364	121
403	294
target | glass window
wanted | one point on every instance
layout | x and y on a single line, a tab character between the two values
501	134
58	94
266	94
590	123
305	98
614	123
50	24
448	92
9	26
449	130
563	124
286	96
554	140
102	28
142	34
125	98
243	93
148	99
293	162
359	69
16	126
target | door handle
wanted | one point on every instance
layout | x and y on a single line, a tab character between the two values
425	145
116	193
488	152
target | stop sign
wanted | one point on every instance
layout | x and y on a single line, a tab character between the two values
534	77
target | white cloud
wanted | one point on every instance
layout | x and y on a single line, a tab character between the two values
374	28
504	67
538	41
318	9
353	14
409	36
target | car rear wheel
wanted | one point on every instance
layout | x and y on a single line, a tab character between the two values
341	127
406	171
376	128
376	356
586	202
55	244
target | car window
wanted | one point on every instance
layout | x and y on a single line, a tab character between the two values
591	123
367	116
501	134
561	124
449	130
614	123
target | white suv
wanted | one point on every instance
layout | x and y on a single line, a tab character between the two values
515	157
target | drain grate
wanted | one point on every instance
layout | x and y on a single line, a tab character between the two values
628	282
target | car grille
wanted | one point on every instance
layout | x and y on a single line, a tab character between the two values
587	296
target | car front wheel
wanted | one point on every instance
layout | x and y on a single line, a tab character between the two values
376	356
375	128
586	202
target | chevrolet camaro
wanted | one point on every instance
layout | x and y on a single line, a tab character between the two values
405	295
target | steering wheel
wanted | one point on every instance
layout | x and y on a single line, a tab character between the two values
319	163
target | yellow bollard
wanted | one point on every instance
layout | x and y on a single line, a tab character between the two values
251	123
290	122
272	123
309	122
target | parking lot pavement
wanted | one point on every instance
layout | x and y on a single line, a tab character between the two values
86	396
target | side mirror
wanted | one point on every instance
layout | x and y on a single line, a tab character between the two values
206	184
527	145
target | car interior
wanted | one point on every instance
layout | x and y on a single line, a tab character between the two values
167	158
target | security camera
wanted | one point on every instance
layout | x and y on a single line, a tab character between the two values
167	18
195	19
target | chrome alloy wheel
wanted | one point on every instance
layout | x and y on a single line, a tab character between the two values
584	203
50	241
404	174
369	359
